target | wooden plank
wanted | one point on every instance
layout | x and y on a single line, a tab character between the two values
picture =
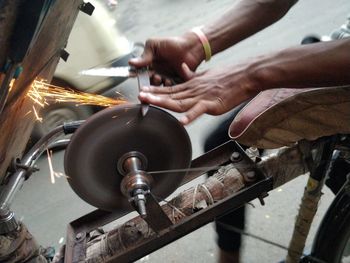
40	61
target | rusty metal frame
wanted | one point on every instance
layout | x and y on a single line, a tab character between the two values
194	222
78	230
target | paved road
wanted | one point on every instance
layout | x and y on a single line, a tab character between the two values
47	208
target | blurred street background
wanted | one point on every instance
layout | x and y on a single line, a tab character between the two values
47	208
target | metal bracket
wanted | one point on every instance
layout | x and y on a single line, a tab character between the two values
64	54
17	164
87	8
160	222
156	218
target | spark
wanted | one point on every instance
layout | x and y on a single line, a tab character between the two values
37	115
279	190
43	93
53	174
12	83
267	216
28	113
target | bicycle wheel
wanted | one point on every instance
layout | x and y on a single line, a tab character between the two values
332	242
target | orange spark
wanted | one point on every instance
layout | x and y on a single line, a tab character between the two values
53	174
12	83
27	113
37	115
43	93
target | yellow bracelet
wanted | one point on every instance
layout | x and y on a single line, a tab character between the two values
204	40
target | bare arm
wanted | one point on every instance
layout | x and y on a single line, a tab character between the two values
165	55
318	65
246	18
217	91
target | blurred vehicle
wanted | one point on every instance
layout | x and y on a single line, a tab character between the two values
93	42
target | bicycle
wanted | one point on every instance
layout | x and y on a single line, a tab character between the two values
257	176
267	174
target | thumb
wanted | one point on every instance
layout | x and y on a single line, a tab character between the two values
144	60
186	72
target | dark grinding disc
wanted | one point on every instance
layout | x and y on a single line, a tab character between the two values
91	158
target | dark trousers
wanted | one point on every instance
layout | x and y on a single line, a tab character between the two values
227	240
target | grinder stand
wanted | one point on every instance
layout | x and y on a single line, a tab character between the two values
136	186
120	160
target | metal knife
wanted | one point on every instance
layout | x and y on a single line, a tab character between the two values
141	74
143	80
109	72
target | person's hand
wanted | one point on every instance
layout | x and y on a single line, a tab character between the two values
213	91
164	56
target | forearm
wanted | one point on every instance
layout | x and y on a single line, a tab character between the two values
245	19
317	65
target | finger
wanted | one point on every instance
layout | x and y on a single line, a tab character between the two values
164	90
186	72
146	58
168	82
193	113
165	101
156	80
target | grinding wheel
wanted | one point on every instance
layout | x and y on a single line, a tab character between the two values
91	158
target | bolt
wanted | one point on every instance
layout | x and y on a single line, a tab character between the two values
251	175
235	157
79	236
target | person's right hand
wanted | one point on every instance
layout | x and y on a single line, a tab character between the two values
165	56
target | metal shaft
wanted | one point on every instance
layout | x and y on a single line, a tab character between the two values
7	219
136	183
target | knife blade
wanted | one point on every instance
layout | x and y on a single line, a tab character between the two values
143	80
109	72
141	74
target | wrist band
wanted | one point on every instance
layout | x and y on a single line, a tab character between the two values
206	46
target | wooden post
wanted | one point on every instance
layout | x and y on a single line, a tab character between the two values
40	61
15	126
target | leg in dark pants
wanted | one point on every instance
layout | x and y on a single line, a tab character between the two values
228	241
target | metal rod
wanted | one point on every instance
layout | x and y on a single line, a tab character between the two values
132	164
7	219
196	169
63	143
216	157
311	197
17	179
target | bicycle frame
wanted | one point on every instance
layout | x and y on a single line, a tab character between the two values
78	230
312	156
319	165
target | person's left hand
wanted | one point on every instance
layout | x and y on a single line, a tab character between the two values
213	91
